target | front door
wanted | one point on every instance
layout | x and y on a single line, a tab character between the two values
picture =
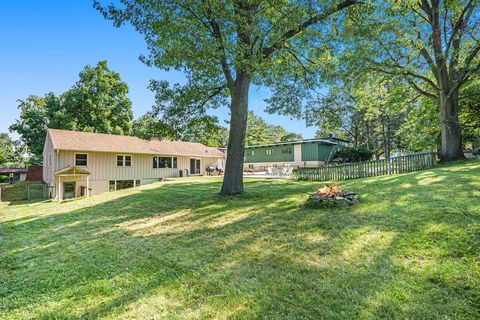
68	190
194	166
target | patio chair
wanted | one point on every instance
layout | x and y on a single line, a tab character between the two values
275	171
288	172
269	171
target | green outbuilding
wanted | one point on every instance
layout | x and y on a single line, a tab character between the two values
303	153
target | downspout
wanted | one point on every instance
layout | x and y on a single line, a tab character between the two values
57	187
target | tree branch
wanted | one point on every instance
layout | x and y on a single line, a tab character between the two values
280	43
217	33
466	71
400	71
459	23
215	92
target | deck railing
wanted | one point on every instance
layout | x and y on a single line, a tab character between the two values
407	163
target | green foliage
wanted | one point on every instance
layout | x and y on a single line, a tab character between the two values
12	153
421	130
354	154
225	46
6	149
205	130
368	111
432	45
470	113
176	116
33	122
259	132
97	103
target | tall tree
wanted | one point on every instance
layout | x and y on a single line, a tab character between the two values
368	110
434	45
226	45
33	122
11	152
6	149
98	102
259	132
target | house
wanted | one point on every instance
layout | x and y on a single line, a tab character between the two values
303	153
84	163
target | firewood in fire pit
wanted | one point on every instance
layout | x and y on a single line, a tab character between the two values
331	196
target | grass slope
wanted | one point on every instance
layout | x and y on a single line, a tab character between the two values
177	250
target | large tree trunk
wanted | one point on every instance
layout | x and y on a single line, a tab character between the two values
451	133
233	179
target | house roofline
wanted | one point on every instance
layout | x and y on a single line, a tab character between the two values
324	141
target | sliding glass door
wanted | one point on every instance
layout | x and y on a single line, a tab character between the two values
194	166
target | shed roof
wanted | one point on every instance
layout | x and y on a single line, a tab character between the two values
101	142
13	170
322	141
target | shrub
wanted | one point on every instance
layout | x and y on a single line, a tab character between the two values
354	154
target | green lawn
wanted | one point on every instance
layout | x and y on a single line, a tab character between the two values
177	250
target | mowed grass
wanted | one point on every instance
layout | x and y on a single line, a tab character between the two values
177	250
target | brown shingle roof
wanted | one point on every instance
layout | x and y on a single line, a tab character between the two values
13	170
101	142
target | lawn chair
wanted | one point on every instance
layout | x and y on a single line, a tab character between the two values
269	171
288	172
275	172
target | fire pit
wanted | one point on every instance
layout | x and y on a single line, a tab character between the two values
331	196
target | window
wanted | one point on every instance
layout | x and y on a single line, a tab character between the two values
124	161
81	159
287	150
164	162
269	152
124	184
252	153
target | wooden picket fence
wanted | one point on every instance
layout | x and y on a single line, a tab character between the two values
407	163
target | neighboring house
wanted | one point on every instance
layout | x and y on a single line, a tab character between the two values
303	153
84	163
14	174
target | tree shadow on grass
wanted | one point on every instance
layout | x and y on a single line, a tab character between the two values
183	251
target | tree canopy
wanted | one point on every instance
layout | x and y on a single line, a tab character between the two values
259	132
98	102
12	153
224	46
433	45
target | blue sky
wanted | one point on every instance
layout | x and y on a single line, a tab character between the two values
46	43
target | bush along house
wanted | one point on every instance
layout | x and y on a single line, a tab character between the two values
303	153
84	163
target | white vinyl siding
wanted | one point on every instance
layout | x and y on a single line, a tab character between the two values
102	166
